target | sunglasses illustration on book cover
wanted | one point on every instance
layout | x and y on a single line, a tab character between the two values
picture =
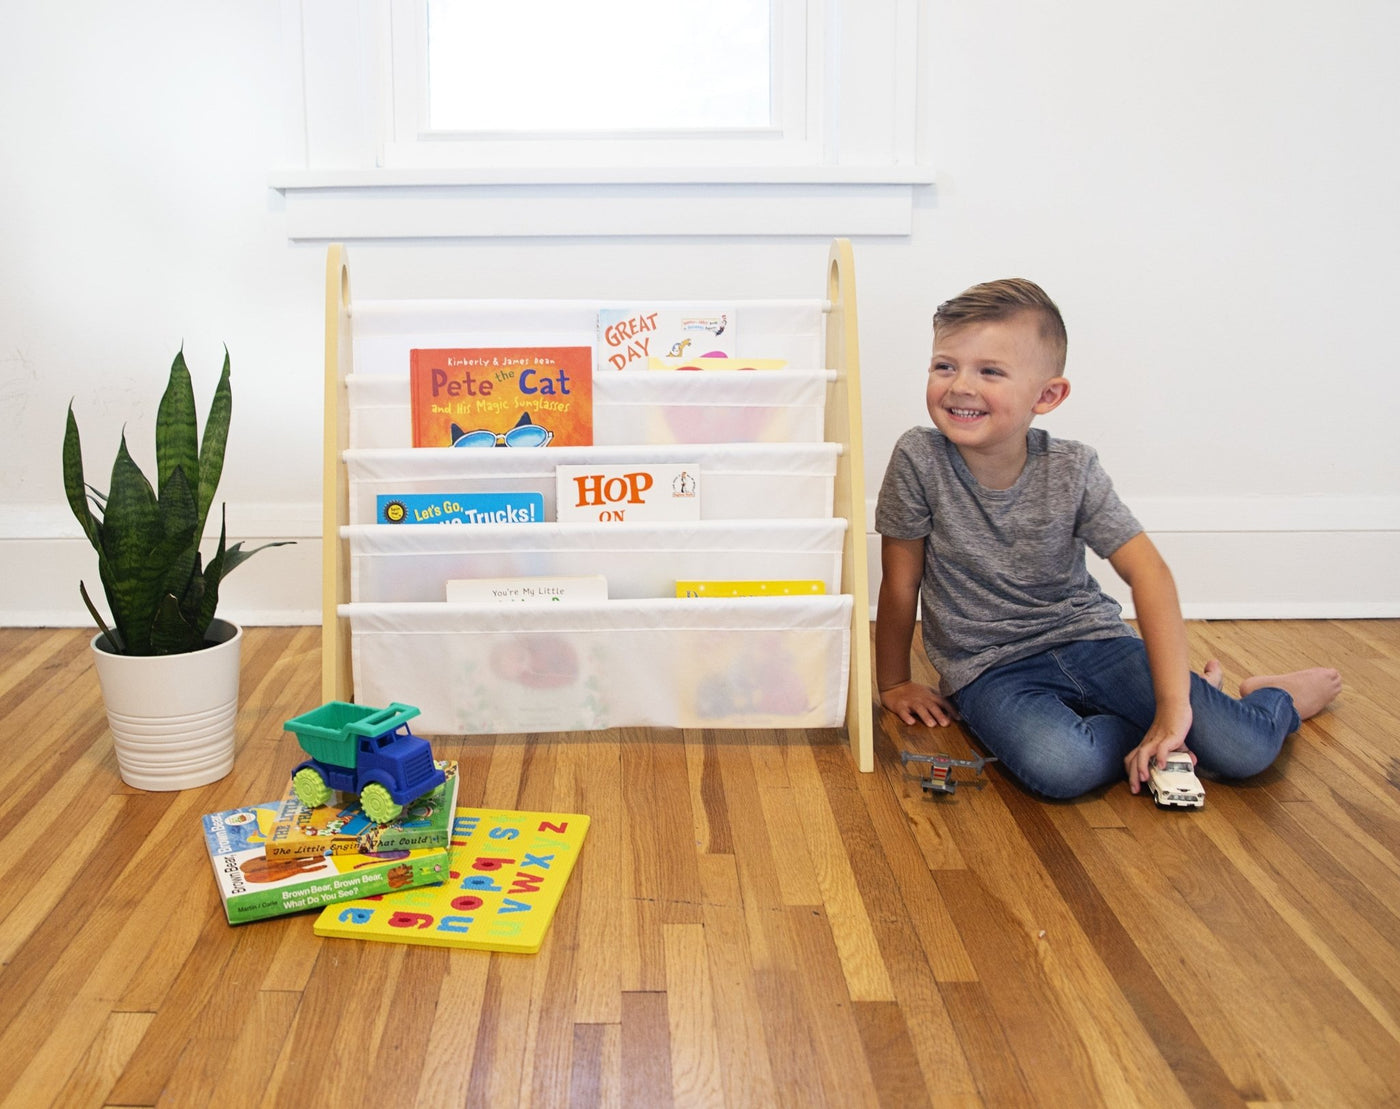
525	433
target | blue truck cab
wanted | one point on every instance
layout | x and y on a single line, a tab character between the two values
365	751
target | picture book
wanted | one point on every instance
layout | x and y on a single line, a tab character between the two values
459	508
508	871
585	589
782	588
628	492
502	397
253	887
342	828
715	362
628	336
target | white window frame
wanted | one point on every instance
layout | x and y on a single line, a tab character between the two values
843	158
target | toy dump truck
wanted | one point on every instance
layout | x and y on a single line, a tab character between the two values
365	751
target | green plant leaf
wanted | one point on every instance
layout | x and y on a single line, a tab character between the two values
177	435
214	573
211	448
237	555
179	521
74	485
171	632
113	642
131	529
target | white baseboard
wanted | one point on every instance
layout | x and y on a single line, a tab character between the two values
43	557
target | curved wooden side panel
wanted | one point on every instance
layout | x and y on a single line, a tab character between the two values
336	680
843	425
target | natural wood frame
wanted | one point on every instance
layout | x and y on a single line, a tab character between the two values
843	426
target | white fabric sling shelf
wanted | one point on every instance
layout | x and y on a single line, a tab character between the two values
739	481
642	406
396	564
751	662
781	493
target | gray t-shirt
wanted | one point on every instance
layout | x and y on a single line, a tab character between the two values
1004	571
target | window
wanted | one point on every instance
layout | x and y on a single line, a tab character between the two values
542	117
630	66
613	83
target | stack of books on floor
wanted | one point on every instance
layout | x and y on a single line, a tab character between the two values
439	875
280	857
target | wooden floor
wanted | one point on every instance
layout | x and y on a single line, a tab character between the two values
751	922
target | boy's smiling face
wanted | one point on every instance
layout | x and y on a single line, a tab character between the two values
986	383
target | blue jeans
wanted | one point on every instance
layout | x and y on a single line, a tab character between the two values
1063	721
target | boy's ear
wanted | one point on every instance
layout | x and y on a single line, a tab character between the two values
1052	395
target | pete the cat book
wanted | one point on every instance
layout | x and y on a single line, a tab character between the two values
502	397
509	870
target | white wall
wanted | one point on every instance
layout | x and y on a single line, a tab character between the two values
1202	187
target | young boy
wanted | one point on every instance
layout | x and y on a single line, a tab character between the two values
986	520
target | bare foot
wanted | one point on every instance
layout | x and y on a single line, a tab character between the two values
1312	690
1212	673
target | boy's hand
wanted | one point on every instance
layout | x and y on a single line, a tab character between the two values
1164	737
918	704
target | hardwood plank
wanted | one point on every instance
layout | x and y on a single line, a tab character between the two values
646	1051
690	1011
889	1054
450	1055
995	1070
656	797
586	1076
253	1055
791	1054
595	773
865	973
498	1072
92	1079
829	1020
746	1071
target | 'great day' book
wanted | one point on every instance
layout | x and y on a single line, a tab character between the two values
342	828
253	887
629	336
509	870
502	397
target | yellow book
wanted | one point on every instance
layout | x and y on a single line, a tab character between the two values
780	588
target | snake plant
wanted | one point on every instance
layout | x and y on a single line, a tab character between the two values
161	595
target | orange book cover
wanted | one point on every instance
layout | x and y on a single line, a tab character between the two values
502	397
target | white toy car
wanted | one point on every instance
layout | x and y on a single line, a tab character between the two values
1175	786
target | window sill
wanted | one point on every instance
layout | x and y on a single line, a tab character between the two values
326	205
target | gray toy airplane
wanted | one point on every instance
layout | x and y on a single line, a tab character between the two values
939	777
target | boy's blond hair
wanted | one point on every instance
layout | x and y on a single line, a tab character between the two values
1000	300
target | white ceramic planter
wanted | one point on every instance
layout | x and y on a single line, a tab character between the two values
172	716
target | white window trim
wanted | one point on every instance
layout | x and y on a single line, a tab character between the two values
358	171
